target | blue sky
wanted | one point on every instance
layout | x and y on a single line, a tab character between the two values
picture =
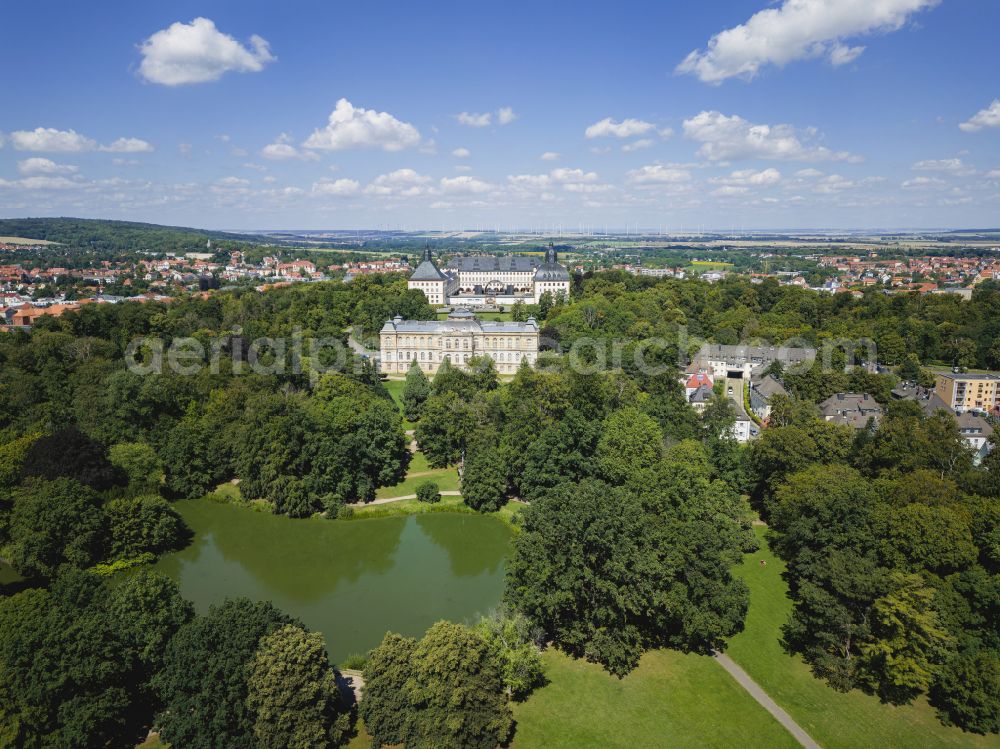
680	115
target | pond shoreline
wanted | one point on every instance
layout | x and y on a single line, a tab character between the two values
351	581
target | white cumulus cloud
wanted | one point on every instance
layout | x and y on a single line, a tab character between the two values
797	30
730	191
549	156
953	166
658	174
465	184
337	187
835	183
470	119
232	182
49	139
924	183
572	175
47	182
354	127
198	52
37	165
731	137
505	115
404	182
989	117
128	145
283	150
628	128
750	177
638	145
461	153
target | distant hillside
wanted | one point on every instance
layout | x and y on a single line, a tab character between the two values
103	235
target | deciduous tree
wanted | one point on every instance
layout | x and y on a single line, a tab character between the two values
292	694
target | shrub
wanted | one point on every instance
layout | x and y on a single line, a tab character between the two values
355	662
144	524
428	492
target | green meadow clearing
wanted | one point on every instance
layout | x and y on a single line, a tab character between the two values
834	719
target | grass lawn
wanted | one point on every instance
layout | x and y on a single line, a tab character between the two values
507	316
671	699
361	741
447	504
418	463
25	241
710	265
410	507
833	719
445	478
395	388
229	490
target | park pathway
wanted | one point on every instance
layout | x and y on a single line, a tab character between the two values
755	691
357	347
354	680
387	500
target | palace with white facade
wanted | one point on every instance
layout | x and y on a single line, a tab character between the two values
459	338
487	280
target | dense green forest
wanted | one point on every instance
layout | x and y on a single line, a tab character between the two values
118	236
639	507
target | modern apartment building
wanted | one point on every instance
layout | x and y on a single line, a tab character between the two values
969	392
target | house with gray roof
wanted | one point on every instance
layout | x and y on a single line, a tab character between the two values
976	432
722	360
855	410
762	391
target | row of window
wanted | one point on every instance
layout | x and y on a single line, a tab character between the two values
490	342
430	356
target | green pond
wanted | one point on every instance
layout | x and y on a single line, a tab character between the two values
351	580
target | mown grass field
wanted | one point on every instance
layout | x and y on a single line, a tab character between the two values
835	720
703	265
445	478
670	700
24	241
395	388
495	316
506	513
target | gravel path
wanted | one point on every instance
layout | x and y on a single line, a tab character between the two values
755	691
387	500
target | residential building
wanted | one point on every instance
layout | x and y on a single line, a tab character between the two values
721	360
459	338
744	428
975	432
969	392
853	409
762	392
695	381
700	397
